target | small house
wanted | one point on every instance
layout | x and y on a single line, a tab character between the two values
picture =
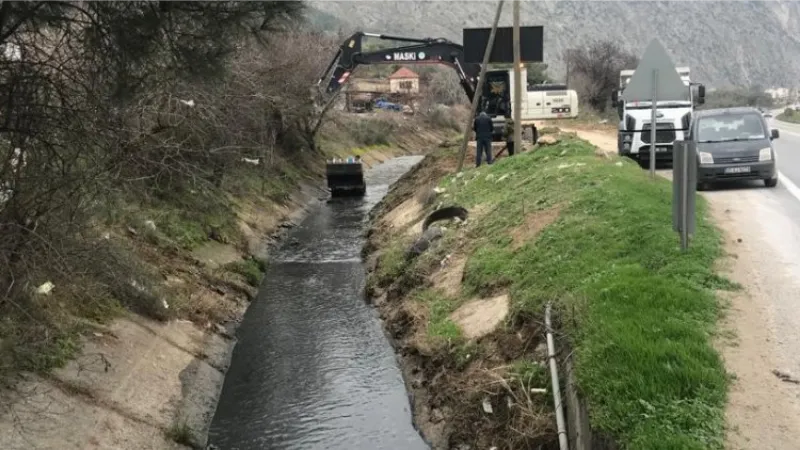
404	81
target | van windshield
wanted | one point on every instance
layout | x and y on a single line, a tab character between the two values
731	127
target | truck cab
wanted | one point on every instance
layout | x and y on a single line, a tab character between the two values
673	119
539	101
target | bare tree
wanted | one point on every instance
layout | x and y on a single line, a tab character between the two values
594	71
444	88
100	97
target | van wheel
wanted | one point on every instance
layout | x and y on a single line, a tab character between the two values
703	186
771	182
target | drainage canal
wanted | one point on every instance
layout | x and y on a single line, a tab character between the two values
312	368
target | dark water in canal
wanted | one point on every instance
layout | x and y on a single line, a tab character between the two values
312	368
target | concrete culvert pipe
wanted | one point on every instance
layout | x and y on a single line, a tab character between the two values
450	212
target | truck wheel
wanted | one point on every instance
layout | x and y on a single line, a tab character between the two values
771	182
535	134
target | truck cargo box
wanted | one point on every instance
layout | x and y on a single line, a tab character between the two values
345	179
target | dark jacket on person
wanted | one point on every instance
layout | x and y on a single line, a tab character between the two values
509	130
483	127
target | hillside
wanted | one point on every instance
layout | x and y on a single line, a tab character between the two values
714	38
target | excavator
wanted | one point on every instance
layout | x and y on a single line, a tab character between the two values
539	102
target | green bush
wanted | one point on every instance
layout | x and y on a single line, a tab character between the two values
373	131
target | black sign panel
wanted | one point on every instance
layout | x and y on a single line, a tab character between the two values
531	43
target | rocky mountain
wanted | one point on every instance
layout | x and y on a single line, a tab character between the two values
742	43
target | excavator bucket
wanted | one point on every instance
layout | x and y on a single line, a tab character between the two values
345	179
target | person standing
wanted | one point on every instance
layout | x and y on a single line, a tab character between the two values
484	128
510	136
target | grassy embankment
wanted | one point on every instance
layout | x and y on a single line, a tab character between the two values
189	254
593	236
789	115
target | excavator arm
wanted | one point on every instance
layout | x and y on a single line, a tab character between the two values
418	51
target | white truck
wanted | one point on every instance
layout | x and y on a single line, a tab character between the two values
672	120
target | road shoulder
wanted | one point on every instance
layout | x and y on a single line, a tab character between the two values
762	410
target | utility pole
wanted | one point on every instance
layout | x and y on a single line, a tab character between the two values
479	87
517	81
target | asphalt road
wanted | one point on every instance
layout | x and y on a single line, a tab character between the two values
788	149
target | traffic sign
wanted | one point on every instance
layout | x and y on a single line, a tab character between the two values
669	87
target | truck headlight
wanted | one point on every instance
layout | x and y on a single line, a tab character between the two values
626	146
765	154
626	138
705	158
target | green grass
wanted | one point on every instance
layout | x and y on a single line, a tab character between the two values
251	269
789	115
392	263
644	312
530	374
440	327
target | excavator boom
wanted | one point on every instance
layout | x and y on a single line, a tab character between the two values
495	90
418	51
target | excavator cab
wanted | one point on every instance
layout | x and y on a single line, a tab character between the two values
496	100
345	178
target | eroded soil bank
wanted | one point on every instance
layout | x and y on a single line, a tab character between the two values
550	225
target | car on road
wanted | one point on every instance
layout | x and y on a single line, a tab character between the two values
733	144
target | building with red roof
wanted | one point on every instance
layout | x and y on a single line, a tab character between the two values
404	81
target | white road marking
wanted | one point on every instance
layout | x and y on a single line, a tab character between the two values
791	187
